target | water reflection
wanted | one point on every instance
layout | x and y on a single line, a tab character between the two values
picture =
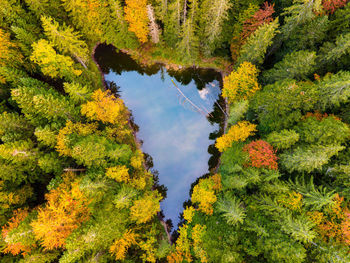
177	135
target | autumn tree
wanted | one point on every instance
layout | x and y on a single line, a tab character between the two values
260	17
53	64
204	194
16	240
136	16
261	155
120	247
331	5
66	209
145	208
8	50
239	132
242	83
105	107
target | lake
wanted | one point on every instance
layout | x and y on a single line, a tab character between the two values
179	117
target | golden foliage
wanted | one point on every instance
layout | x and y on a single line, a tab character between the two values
217	182
335	222
70	128
145	208
121	246
118	173
188	214
136	15
51	63
242	83
293	201
105	107
198	232
239	132
149	248
15	248
8	52
315	217
204	194
183	246
136	161
65	210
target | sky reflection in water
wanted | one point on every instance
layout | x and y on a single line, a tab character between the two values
173	133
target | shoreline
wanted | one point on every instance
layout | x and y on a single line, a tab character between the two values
167	66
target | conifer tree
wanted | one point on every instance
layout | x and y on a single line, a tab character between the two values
53	64
297	65
232	210
189	43
172	23
330	53
14	127
283	139
334	90
65	39
39	103
213	14
9	53
254	49
308	159
86	16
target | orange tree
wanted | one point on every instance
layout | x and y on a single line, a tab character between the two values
66	208
136	15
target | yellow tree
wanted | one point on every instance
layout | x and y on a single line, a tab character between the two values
66	209
204	195
121	246
136	15
105	107
51	63
242	83
145	208
239	132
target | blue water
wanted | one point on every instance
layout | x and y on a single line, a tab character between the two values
173	132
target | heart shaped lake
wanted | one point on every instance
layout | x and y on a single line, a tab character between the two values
179	115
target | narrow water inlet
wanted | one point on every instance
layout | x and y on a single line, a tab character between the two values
179	119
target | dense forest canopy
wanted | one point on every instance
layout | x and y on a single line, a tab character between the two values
73	181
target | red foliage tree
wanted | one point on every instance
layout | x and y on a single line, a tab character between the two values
262	16
261	155
331	5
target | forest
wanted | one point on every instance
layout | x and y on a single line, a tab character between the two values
74	184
